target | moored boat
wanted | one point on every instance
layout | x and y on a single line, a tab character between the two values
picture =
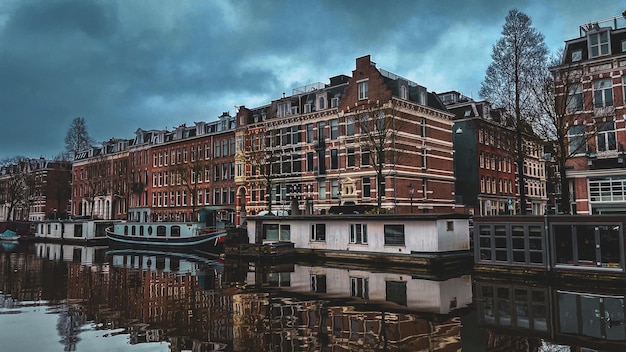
9	236
209	232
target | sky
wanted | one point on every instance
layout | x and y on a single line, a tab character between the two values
156	64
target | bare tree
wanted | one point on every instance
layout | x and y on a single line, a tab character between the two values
560	94
98	179
378	131
262	156
20	188
518	59
77	138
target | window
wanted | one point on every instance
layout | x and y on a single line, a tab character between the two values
321	190
424	158
334	102
367	187
599	44
576	136
588	245
321	103
351	157
363	88
602	93
334	129
423	128
358	233
309	133
334	159
350	126
394	235
577	55
365	156
606	136
318	232
404	92
276	232
334	189
575	98
309	161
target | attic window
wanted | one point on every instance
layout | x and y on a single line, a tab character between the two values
577	55
468	112
404	93
599	44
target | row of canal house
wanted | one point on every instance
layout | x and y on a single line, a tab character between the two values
316	145
324	142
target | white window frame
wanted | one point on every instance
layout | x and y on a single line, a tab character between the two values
358	233
363	87
599	44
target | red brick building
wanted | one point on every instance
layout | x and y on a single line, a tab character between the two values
326	141
591	79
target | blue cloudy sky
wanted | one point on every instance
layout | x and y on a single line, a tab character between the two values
155	64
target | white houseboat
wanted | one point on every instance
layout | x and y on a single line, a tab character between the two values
73	230
424	239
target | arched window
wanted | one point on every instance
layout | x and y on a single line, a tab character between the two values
404	92
175	231
161	230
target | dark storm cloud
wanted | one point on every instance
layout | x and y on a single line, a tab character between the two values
158	63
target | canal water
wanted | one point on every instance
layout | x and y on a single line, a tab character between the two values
74	298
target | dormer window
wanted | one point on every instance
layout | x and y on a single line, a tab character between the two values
599	44
321	103
404	92
577	55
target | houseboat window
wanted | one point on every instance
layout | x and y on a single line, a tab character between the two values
358	233
394	235
175	231
359	287
395	291
588	245
141	231
133	230
500	243
515	243
270	232
161	230
318	283
564	244
318	232
285	233
485	245
78	230
449	225
125	229
149	230
276	232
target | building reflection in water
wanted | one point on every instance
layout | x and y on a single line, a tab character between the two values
532	314
195	302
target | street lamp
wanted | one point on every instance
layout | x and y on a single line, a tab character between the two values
411	193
